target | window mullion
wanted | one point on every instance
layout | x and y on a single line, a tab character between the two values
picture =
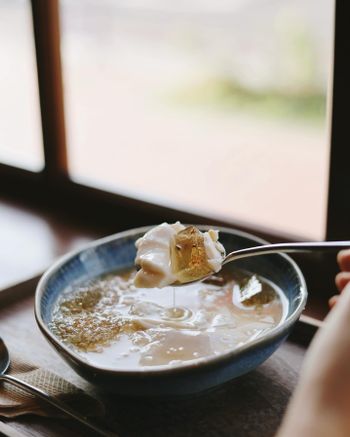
338	215
47	44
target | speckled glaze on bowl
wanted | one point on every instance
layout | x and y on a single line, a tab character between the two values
118	252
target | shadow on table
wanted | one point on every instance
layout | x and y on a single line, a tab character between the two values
250	406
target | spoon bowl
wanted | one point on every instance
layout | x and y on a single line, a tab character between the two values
4	358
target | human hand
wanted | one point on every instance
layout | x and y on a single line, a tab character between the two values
320	406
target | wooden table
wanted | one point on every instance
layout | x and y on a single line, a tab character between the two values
250	406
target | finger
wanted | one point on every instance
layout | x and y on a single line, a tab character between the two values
343	259
342	279
332	301
340	312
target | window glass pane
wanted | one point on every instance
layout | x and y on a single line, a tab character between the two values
20	127
218	107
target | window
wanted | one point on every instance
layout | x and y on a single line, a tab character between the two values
218	108
20	127
251	205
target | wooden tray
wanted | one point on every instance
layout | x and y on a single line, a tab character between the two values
250	406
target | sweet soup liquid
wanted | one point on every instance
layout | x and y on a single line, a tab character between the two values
111	323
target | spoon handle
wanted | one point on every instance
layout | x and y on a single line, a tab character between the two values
286	247
56	403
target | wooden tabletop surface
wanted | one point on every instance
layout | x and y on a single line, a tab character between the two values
31	240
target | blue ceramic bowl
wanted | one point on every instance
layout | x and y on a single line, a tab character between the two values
118	252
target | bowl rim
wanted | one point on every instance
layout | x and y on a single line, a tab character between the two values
276	332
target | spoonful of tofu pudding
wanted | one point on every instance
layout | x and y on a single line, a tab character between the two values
173	254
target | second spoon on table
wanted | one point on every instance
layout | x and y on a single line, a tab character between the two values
63	407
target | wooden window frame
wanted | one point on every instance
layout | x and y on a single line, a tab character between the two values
53	188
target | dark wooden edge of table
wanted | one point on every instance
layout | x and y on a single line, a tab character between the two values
9	431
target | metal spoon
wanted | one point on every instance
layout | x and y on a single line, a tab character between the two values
323	246
4	365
